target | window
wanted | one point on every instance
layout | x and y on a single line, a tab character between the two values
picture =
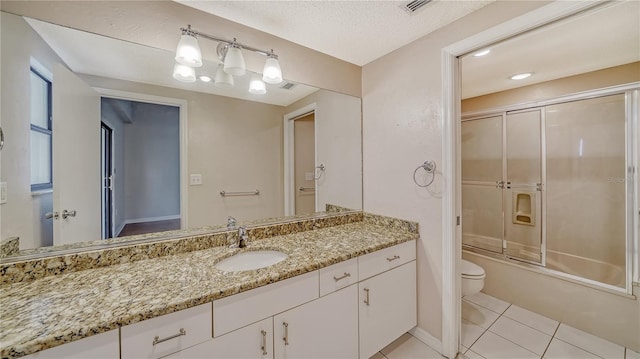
41	134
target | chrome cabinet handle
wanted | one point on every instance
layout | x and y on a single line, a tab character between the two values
393	258
366	300
1	138
346	275
264	342
66	214
157	339
286	333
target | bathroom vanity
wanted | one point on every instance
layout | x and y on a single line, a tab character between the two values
344	291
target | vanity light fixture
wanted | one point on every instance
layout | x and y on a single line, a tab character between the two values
521	76
230	53
482	53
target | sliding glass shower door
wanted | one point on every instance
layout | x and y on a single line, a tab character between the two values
502	184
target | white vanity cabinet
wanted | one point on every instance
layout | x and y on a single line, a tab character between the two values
324	328
254	341
167	334
387	300
99	346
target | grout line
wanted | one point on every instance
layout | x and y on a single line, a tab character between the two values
516	344
552	337
384	356
536	329
581	348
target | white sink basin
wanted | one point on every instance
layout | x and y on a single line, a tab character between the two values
250	260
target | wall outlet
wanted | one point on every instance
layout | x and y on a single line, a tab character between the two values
195	180
309	176
3	192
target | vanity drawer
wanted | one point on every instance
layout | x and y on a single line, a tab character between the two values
248	307
385	259
338	276
166	334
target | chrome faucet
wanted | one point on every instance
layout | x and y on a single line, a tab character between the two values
231	222
243	237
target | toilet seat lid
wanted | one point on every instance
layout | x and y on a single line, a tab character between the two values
469	269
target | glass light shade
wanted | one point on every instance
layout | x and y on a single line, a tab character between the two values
223	79
184	73
271	73
188	51
256	86
234	62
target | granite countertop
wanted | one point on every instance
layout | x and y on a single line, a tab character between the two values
54	310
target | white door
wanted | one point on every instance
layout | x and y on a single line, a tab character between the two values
76	158
324	328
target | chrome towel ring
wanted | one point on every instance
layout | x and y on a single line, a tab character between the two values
429	167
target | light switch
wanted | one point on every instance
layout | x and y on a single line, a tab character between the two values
3	192
195	180
309	176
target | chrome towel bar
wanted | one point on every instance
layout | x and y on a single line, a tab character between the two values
303	189
231	194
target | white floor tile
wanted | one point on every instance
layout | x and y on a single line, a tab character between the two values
378	355
534	320
526	337
470	354
489	302
470	333
589	342
561	350
631	354
478	314
492	346
408	347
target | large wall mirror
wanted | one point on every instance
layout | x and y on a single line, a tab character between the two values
101	142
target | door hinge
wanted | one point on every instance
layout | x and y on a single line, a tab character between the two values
457	220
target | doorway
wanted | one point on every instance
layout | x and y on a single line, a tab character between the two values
301	173
142	191
304	163
106	176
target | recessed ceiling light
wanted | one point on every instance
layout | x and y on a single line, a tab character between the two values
482	53
205	78
521	76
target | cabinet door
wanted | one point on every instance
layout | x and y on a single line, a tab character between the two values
251	342
105	345
324	328
387	306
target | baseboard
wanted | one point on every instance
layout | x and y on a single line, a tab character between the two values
424	336
151	219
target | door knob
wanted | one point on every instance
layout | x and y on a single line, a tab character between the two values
66	214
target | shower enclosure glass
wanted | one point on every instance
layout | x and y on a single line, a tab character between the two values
547	185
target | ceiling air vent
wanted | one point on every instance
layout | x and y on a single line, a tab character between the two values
415	5
288	85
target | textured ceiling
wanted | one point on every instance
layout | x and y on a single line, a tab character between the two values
354	31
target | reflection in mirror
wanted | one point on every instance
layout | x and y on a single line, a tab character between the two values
134	151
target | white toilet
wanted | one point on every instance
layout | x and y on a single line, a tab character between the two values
472	278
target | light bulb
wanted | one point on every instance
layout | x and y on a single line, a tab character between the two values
223	79
184	73
271	73
188	51
234	61
256	86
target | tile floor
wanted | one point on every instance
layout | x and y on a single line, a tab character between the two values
492	328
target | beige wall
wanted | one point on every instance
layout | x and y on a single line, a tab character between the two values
236	145
402	127
19	213
304	162
339	148
157	24
546	90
